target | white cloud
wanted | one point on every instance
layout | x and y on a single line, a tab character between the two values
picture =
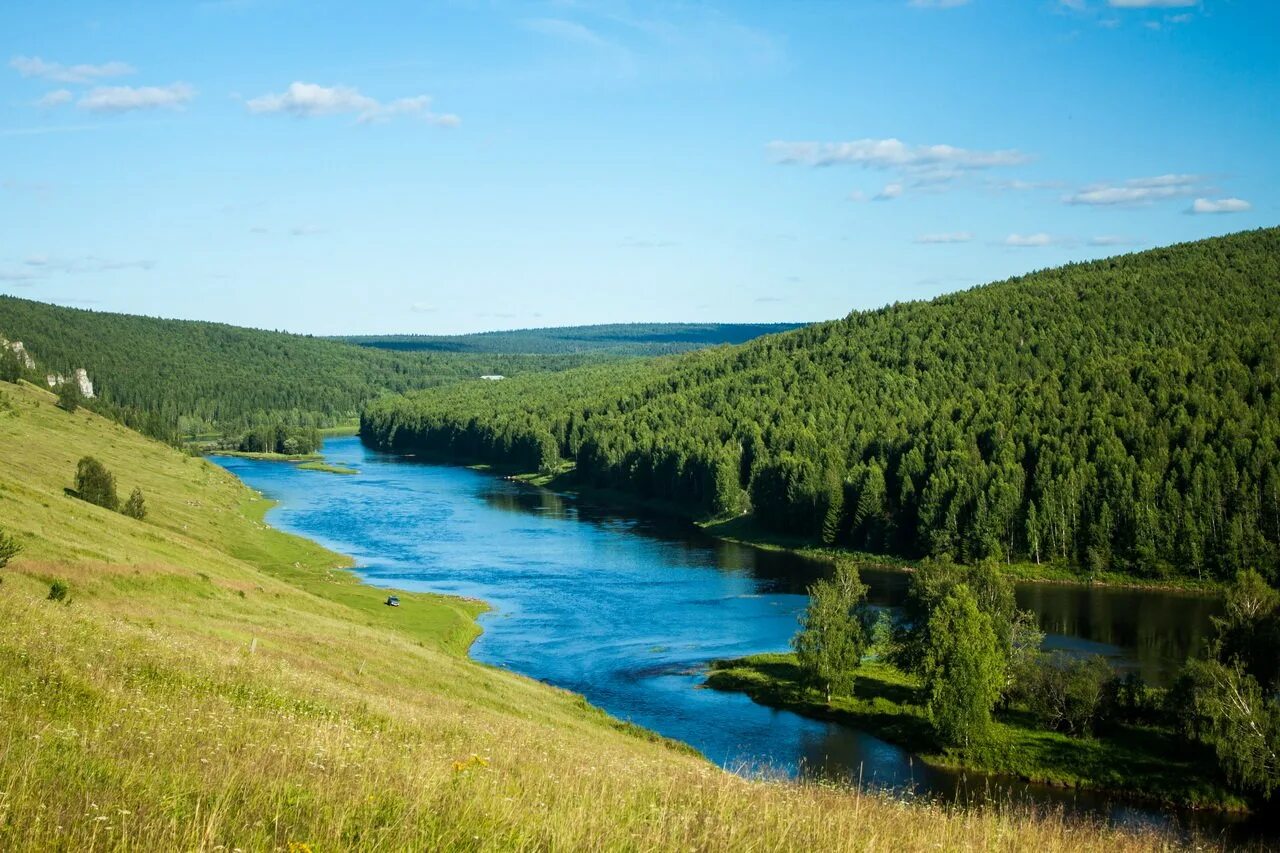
1220	205
305	100
938	4
1137	191
56	98
1033	241
34	66
890	191
932	167
119	99
891	154
945	237
1152	4
1110	240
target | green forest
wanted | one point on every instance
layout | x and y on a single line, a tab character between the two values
179	380
1120	415
258	390
621	339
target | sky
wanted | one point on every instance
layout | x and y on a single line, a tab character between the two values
441	167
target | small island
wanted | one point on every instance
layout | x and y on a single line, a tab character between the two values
959	678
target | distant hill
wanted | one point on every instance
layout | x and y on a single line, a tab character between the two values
175	378
1121	415
616	338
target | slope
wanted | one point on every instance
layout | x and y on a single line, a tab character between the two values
210	683
182	378
1116	416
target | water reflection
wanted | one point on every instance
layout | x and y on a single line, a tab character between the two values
1152	632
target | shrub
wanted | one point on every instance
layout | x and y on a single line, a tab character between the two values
1129	699
9	548
69	395
10	366
95	484
57	591
136	505
1067	694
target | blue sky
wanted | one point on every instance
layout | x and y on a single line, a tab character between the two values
330	167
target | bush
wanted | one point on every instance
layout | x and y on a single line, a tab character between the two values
57	591
95	484
10	366
9	548
69	395
1128	699
136	505
1067	694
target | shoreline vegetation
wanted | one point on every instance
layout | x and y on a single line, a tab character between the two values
742	531
1117	416
304	461
206	681
1136	763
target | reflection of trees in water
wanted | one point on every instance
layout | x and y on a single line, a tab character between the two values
509	497
1161	628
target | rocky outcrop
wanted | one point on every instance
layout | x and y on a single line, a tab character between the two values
20	351
80	376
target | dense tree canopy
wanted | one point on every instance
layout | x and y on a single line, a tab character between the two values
1116	415
181	379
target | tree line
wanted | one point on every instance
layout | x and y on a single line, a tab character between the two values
977	656
1121	415
182	380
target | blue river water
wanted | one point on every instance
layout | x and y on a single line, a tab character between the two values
628	611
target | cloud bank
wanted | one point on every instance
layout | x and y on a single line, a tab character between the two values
307	100
34	66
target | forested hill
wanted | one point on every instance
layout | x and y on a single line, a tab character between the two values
1122	414
617	339
174	378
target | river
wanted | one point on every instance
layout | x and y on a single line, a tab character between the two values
628	610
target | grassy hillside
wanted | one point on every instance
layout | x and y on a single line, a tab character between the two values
211	683
614	338
1120	416
179	377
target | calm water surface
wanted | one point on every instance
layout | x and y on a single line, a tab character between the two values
627	611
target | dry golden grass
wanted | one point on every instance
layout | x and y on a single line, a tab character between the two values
216	685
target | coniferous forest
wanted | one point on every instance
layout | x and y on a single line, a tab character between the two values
1121	415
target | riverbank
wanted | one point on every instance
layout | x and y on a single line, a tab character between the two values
1133	762
210	682
743	530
